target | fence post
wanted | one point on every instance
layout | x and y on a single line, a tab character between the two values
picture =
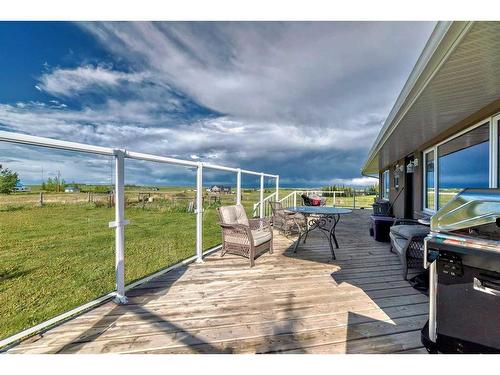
354	199
199	213
119	225
238	187
295	198
277	188
261	200
41	199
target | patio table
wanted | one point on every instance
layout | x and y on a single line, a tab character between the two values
320	217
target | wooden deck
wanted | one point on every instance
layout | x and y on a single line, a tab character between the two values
287	303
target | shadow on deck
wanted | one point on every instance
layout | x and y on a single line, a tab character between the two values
288	303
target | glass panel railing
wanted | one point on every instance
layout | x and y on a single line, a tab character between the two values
56	248
250	188
160	205
220	190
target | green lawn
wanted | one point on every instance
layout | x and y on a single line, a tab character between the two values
57	257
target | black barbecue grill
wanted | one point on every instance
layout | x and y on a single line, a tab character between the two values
462	253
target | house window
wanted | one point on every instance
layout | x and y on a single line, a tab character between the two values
385	185
496	147
463	162
429	185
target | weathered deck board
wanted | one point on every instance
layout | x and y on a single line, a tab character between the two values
287	303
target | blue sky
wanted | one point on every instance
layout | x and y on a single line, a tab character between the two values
302	99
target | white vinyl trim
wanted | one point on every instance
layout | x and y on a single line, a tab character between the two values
53	143
424	185
494	151
81	147
386	177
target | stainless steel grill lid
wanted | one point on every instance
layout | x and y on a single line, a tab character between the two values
470	208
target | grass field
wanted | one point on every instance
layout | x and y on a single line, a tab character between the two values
58	256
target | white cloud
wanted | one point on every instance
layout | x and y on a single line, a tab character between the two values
68	82
314	74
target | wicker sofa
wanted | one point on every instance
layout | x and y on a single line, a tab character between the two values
241	236
407	240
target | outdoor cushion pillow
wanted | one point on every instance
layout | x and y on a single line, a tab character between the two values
241	216
408	231
260	236
234	215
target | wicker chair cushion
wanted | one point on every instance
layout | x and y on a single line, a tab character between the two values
399	243
260	236
408	231
234	215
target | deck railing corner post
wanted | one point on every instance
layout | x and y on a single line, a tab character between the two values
199	213
238	186
277	188
119	225
261	200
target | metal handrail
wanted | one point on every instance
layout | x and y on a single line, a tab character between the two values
257	206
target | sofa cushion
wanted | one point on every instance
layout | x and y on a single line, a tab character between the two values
234	215
408	231
260	236
398	243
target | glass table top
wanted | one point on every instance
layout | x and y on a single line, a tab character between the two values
319	210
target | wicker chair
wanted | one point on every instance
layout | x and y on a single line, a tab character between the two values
285	221
407	240
240	236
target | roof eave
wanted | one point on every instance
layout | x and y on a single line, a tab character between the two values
443	39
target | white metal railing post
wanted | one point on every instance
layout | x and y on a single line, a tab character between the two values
199	213
261	200
277	188
238	186
119	225
295	198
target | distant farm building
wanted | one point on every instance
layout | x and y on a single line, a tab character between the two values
71	189
21	187
220	189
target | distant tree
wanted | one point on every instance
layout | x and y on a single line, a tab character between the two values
8	180
372	189
62	185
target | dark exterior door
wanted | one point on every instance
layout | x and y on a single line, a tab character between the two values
408	190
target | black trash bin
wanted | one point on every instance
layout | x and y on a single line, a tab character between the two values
382	208
380	227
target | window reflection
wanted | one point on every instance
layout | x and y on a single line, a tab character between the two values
385	186
429	180
463	163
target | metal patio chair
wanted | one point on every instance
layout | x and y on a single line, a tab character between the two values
241	236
